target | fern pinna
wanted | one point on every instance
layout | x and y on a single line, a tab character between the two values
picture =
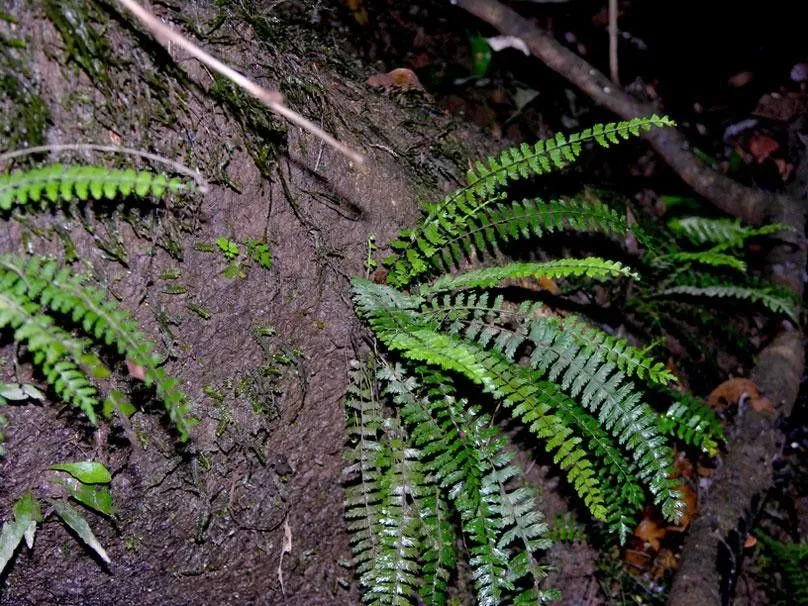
427	463
59	318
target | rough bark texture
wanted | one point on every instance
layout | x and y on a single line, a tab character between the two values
710	563
205	524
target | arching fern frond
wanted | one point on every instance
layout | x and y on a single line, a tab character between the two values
466	453
46	283
726	233
770	298
593	268
552	154
464	216
711	257
692	421
57	182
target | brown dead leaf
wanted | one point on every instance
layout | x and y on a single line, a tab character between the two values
762	146
784	168
733	391
358	11
740	79
781	106
750	541
691	501
650	532
136	371
401	78
637	559
664	562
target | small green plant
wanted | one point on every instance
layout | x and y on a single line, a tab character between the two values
256	251
424	452
370	261
787	565
228	248
85	483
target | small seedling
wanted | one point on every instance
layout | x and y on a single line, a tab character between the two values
229	248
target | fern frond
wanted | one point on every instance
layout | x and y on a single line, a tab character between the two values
59	289
467	215
593	268
727	233
552	154
582	368
438	547
711	257
692	421
363	455
58	353
57	182
770	298
464	451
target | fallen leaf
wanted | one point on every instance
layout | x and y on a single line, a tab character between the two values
664	562
649	531
750	541
401	78
784	168
740	79
136	371
734	391
762	146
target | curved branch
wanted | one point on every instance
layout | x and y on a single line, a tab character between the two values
752	206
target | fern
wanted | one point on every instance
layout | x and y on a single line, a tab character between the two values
594	268
726	233
461	217
580	391
771	298
40	301
789	561
56	182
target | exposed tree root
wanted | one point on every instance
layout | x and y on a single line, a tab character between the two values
714	546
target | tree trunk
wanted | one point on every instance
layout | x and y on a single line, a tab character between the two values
266	371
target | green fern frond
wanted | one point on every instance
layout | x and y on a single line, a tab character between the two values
45	283
364	455
769	297
692	421
58	353
539	404
711	257
789	563
582	368
629	359
465	451
727	233
469	215
65	183
593	268
552	154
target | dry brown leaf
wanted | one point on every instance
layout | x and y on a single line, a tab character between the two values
733	391
664	562
750	541
649	531
136	371
762	146
401	78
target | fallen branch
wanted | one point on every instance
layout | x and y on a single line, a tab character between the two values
713	550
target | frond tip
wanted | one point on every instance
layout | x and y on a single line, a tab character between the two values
57	182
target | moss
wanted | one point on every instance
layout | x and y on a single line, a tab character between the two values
76	20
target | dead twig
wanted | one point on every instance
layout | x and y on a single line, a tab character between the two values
613	66
272	99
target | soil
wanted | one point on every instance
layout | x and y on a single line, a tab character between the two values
265	364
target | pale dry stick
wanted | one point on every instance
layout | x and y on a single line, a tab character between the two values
113	149
613	69
272	99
